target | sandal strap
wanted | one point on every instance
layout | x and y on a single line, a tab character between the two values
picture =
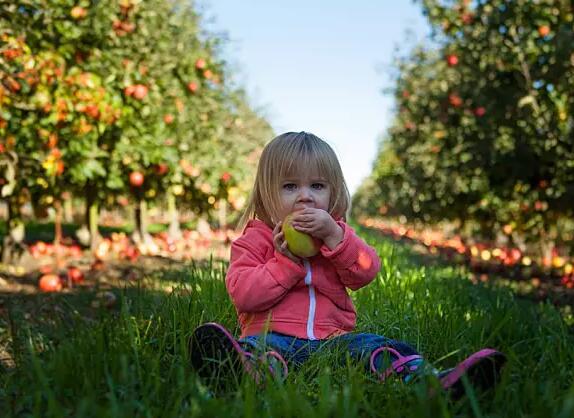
400	365
264	358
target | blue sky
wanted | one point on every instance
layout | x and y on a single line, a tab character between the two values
320	66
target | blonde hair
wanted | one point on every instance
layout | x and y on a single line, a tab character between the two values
283	157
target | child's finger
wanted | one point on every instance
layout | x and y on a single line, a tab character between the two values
277	228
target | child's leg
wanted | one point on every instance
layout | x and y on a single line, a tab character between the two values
294	351
380	355
387	357
215	354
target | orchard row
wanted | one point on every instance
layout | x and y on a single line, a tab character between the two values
120	101
484	127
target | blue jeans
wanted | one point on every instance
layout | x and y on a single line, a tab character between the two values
297	350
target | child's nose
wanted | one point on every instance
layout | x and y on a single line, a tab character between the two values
304	193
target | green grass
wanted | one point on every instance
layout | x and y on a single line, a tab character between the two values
133	361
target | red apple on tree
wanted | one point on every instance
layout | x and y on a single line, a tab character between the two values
451	60
544	30
161	169
192	87
479	111
136	178
128	27
140	91
225	177
129	90
200	64
454	99
467	18
78	12
92	111
168	118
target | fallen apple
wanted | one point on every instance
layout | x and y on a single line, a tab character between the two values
75	274
299	243
50	283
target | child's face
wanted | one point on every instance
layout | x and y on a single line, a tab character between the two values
304	190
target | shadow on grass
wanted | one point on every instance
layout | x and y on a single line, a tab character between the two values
44	231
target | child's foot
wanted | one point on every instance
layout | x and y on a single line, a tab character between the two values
405	366
482	369
217	356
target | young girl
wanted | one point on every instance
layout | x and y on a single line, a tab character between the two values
290	307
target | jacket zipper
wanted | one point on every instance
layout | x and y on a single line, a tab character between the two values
312	301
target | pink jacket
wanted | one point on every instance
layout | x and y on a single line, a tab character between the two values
306	300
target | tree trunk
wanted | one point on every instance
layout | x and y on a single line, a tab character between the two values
222	213
141	236
174	231
58	234
12	245
58	223
91	220
68	211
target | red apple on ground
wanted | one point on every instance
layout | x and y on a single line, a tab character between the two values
50	283
75	274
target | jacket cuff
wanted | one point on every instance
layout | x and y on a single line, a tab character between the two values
285	271
344	255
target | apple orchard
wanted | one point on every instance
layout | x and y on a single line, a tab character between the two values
128	104
119	103
482	142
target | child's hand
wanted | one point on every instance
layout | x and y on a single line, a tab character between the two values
281	245
319	224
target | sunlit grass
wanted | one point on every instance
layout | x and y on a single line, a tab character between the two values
132	361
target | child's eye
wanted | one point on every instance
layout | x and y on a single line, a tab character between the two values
318	186
289	186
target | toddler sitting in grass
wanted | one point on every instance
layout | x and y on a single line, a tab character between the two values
291	306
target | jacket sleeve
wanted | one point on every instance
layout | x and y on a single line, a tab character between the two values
356	262
253	283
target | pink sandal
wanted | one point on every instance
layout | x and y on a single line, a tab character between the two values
482	368
400	366
214	353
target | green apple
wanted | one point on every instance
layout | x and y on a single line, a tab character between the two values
299	243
